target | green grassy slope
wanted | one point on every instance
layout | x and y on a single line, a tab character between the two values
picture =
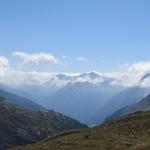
129	133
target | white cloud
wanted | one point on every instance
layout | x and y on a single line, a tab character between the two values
37	58
4	62
4	65
140	67
82	59
130	75
64	57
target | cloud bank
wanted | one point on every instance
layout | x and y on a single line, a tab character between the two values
128	76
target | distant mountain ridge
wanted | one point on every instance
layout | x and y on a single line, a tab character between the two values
55	82
24	102
143	105
124	98
80	100
20	126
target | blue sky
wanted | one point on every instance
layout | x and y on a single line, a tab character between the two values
107	33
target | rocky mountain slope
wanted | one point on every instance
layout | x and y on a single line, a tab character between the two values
23	126
143	105
129	133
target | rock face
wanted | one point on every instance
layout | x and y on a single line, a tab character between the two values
129	133
143	105
22	126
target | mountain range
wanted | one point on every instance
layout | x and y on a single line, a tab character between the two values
55	82
88	97
80	100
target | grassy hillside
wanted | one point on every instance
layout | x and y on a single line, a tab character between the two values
129	133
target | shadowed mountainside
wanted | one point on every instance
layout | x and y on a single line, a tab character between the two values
22	126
